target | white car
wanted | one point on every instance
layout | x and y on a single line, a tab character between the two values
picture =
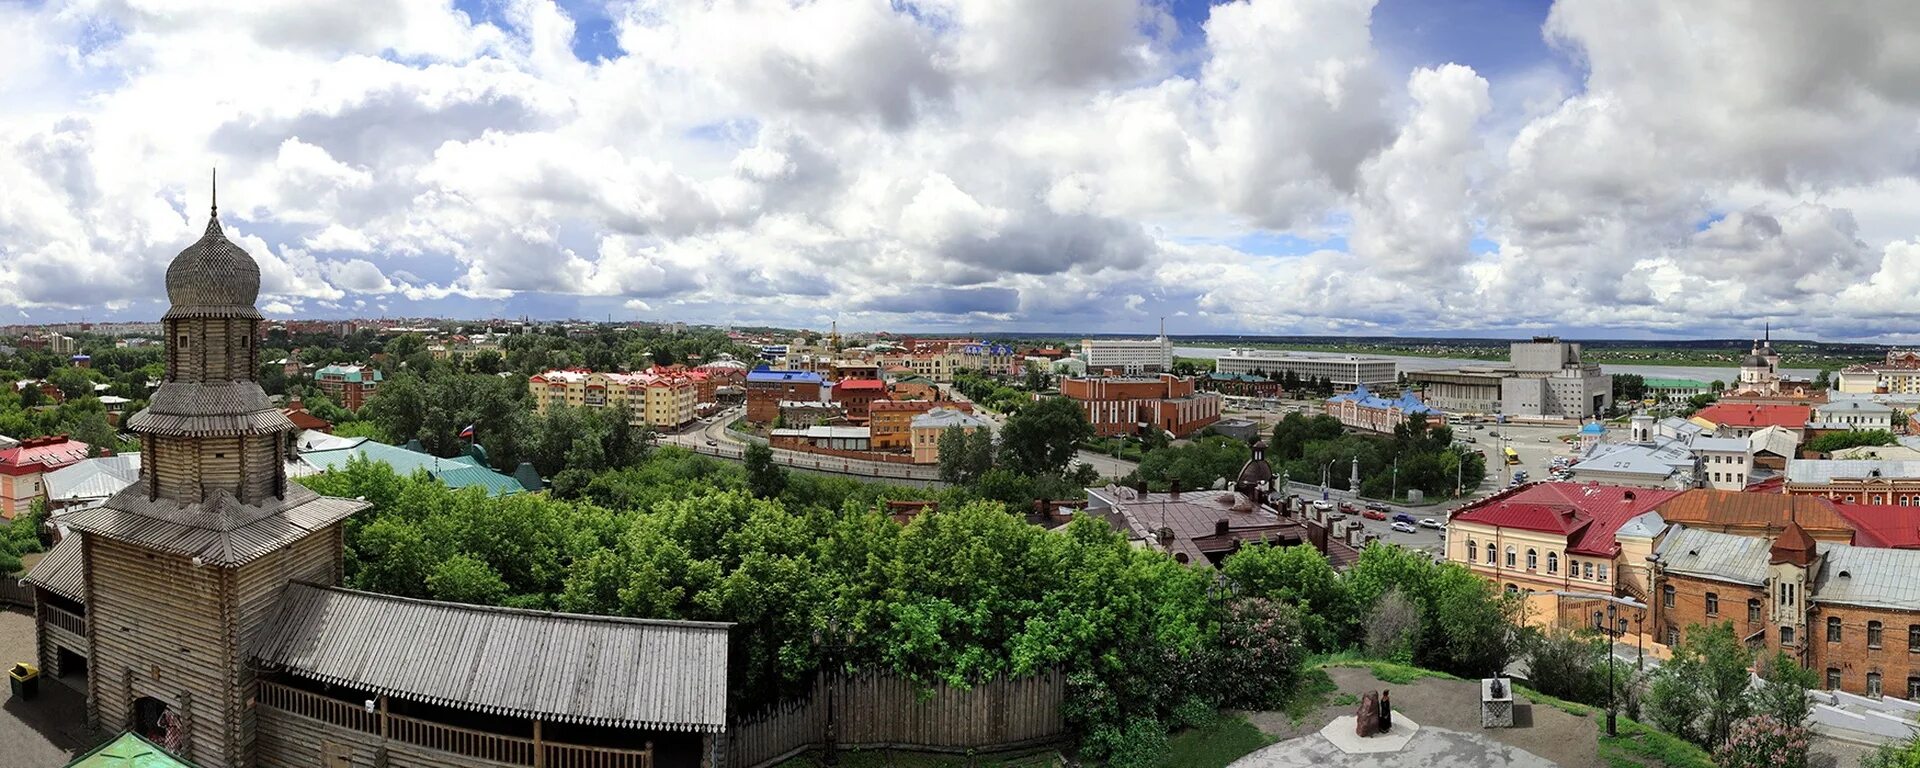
1428	522
1403	527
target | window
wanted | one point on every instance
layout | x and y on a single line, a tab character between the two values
1913	687
1490	554
1833	629
1786	635
1833	679
1753	611
1713	604
1511	589
1913	638
1553	562
1873	634
1673	636
1603	571
1533	560
1586	568
1666	596
1473	550
1511	556
1873	684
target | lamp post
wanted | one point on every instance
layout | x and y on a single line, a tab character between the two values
833	645
1607	637
1393	490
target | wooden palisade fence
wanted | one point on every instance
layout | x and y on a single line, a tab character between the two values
875	710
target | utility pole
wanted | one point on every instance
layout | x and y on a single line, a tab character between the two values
1607	637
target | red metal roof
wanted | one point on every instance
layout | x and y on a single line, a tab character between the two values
1882	525
39	454
1588	514
848	385
1756	416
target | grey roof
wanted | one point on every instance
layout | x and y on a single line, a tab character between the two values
220	530
1776	440
93	478
1652	461
1869	576
1721	444
1827	470
597	670
1859	407
223	408
1713	555
62	571
1647	525
213	278
941	418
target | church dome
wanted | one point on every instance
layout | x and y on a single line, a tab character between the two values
1753	361
213	272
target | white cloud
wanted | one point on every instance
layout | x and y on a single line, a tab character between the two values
1079	164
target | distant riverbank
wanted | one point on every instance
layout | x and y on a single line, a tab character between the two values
1415	363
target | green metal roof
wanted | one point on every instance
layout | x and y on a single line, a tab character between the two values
128	750
456	473
351	373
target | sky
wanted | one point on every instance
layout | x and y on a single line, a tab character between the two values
1605	168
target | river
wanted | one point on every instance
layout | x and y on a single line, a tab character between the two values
1409	363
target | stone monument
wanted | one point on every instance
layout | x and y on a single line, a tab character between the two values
1366	721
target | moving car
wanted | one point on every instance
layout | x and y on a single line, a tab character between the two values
1379	506
1546	439
1428	522
713	442
1373	514
1403	527
1403	518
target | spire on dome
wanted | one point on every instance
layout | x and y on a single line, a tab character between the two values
216	192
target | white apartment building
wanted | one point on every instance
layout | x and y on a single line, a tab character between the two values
1346	371
1128	355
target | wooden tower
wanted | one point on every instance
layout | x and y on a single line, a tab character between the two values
184	566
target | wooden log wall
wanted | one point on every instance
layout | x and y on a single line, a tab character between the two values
873	710
257	589
156	628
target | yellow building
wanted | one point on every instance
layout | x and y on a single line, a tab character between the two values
659	399
928	427
1552	536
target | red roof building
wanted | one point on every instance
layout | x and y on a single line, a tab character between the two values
22	467
1890	526
1549	536
1740	419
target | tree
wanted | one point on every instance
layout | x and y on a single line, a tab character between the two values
73	383
965	455
1782	692
1570	665
1837	441
405	345
1301	577
1196	465
1904	753
1629	387
1823	379
399	407
1702	691
1702	400
1393	627
1717	385
488	362
765	479
1043	437
1260	641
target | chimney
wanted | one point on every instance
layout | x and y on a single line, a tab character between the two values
1220	527
1176	489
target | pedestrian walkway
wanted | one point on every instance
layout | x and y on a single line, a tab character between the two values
49	729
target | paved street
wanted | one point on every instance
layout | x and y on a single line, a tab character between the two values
48	729
710	436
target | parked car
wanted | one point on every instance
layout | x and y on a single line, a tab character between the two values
1403	527
713	442
1323	505
1348	508
1546	439
1403	518
1428	522
1471	440
1379	506
1374	515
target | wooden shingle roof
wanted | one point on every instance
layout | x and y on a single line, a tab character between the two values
573	668
62	571
220	531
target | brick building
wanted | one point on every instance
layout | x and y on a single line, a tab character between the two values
1126	405
767	388
891	421
1756	514
348	385
856	394
1856	481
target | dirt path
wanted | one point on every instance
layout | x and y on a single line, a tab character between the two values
1567	740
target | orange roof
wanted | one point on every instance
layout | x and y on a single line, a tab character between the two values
1771	511
1792	546
1741	415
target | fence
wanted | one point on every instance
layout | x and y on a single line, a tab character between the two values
12	592
871	710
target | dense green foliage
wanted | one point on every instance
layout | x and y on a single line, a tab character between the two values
1836	441
1194	465
1415	456
1703	694
1042	437
21	536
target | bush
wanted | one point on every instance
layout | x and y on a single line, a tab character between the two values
1393	627
1137	743
1761	741
1260	654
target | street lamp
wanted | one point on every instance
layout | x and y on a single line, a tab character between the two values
1607	637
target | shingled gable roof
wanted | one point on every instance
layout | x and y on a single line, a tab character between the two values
1769	511
1792	546
220	530
1587	514
560	667
62	571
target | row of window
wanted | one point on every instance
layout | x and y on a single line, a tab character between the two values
1874	632
1873	683
1590	570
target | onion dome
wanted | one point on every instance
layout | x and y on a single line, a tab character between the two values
1753	361
213	274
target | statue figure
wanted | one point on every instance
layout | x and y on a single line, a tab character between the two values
1366	721
1386	712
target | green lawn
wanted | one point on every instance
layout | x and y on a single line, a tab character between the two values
1637	746
1229	738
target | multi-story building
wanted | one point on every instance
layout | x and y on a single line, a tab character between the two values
856	394
1856	481
767	388
660	398
1363	410
1545	378
1128	405
928	427
1899	374
1744	419
348	385
1675	393
1549	536
1128	356
1671	454
1345	371
1852	415
891	421
24	465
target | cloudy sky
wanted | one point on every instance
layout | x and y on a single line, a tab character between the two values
1637	168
